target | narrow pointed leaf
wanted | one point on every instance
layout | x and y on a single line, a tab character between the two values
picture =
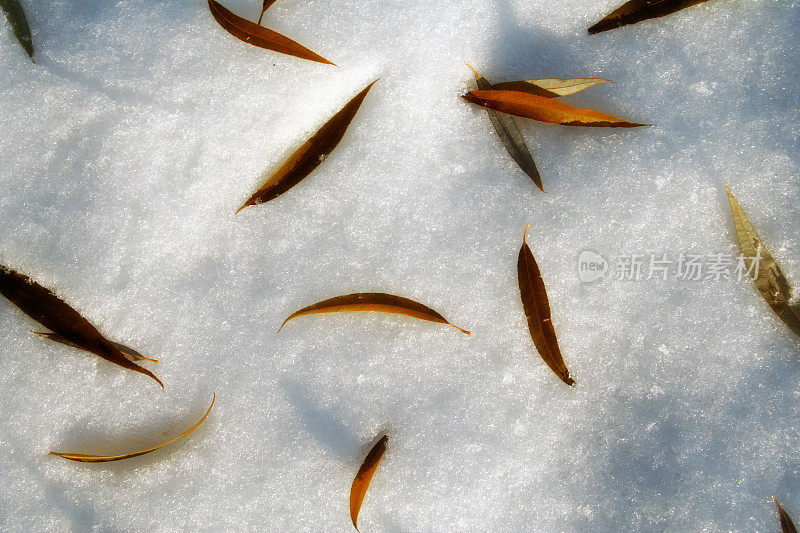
374	301
639	10
363	478
526	105
549	87
89	458
511	136
264	8
252	33
19	24
130	352
769	280
56	315
787	526
309	156
537	310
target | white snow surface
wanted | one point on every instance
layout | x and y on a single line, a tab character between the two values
142	127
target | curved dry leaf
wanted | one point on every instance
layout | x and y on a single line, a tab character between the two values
527	105
252	33
549	87
373	301
19	23
130	352
639	10
309	156
787	526
56	315
264	8
511	136
537	311
767	275
88	458
363	478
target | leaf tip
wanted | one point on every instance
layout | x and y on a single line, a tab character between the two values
525	234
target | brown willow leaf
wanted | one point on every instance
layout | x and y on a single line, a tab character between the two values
769	279
252	33
363	478
130	352
526	105
537	311
16	17
639	10
88	458
511	136
56	315
550	87
787	526
373	301
308	157
264	8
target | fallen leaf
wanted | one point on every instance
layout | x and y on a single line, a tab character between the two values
374	301
537	311
363	478
511	136
639	10
527	105
264	8
16	17
308	157
787	526
88	458
56	315
252	33
549	87
133	354
769	278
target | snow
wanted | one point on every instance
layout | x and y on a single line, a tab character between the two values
127	148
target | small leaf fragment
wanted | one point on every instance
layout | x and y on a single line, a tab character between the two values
252	33
308	157
363	478
19	24
527	105
56	315
787	526
88	458
264	8
130	352
550	87
374	301
638	10
769	278
537	311
511	136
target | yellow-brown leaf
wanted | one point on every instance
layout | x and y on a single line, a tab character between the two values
363	478
537	311
550	87
252	33
88	458
309	156
787	526
527	105
374	301
638	10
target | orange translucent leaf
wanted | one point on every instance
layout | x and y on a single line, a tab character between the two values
537	311
527	105
787	526
374	301
363	478
88	458
56	315
252	33
639	10
308	157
